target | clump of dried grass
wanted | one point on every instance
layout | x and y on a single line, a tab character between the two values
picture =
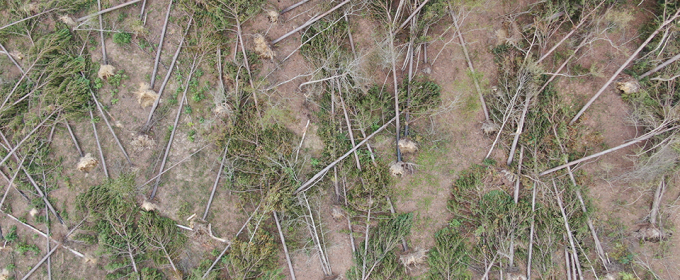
262	48
142	142
337	213
106	71
87	163
145	95
407	146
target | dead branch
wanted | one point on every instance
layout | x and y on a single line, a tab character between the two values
531	231
160	46
229	243
308	23
318	175
141	13
239	34
101	32
12	59
106	10
349	125
174	128
657	131
403	241
623	66
323	257
43	234
415	12
291	7
581	22
661	66
349	34
167	75
99	146
13	150
656	203
285	248
10	182
301	141
519	173
73	137
27	18
217	180
171	167
566	225
472	69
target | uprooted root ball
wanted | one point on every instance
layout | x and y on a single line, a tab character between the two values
262	47
143	142
416	258
145	95
407	146
273	16
87	163
68	20
106	71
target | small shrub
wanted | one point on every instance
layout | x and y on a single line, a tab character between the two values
122	38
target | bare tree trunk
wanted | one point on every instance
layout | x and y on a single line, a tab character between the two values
566	225
291	7
106	10
174	128
99	146
115	137
531	231
167	75
73	137
160	46
217	180
671	60
349	125
472	68
101	32
658	194
308	23
624	65
285	248
318	175
649	135
229	243
46	257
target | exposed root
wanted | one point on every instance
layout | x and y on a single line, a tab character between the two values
406	146
33	212
148	206
87	163
145	95
337	213
490	128
413	259
649	232
68	21
262	47
143	142
628	87
273	16
401	168
106	71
